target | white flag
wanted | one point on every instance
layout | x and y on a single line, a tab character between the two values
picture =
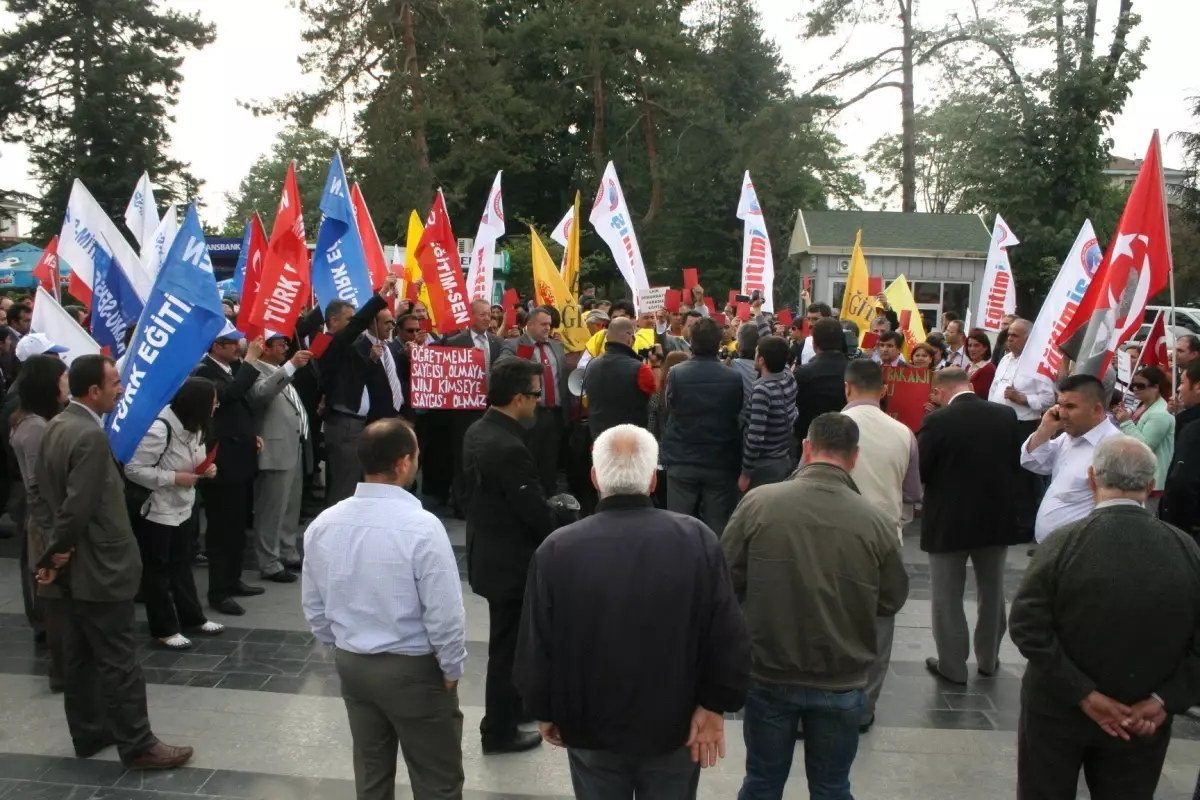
60	327
85	228
758	264
612	220
998	294
491	228
1041	358
562	235
141	215
155	253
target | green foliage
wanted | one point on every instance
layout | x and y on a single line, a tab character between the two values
89	86
261	188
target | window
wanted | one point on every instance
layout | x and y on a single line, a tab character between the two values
839	291
956	297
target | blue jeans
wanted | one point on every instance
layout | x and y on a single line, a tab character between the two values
830	721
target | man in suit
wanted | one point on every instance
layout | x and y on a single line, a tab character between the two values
1180	504
553	406
79	501
284	429
227	497
384	364
479	336
821	382
507	518
968	450
343	382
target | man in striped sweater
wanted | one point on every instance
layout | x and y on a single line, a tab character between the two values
767	449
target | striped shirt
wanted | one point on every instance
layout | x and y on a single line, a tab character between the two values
773	412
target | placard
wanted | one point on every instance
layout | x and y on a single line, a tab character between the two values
691	277
652	300
672	301
448	378
907	394
785	317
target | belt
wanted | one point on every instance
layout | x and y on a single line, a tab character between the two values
343	412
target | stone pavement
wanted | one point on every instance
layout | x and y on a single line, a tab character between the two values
261	705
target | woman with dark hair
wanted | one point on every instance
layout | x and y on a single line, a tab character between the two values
1151	422
981	370
164	467
42	392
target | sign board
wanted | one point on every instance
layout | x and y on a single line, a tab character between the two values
652	300
907	394
448	378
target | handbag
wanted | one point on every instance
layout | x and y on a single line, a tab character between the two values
137	497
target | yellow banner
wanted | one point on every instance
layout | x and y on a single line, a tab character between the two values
900	298
551	290
412	270
857	304
570	271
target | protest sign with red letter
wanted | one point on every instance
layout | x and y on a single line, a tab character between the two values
448	378
907	394
256	251
442	270
285	285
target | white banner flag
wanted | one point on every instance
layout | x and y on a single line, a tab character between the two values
60	327
1041	358
562	235
491	228
998	294
612	220
141	215
758	264
155	253
85	228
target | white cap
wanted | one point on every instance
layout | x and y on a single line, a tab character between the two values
36	344
269	334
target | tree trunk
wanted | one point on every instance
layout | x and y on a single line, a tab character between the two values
414	85
1060	40
598	104
651	150
1089	33
908	145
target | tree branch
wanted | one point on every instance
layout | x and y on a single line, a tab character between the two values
853	69
1117	50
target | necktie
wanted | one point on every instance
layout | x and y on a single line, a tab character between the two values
294	399
547	379
389	366
482	343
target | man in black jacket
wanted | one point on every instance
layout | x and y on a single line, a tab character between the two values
228	497
582	668
821	383
1180	504
618	384
966	444
702	444
507	518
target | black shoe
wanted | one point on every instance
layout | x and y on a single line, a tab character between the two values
283	576
294	566
983	673
931	664
39	636
227	605
246	590
865	727
517	743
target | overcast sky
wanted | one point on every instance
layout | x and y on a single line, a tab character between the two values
258	42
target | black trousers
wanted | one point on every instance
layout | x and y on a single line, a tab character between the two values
502	711
544	441
459	424
168	586
435	432
105	693
1028	489
1051	751
226	509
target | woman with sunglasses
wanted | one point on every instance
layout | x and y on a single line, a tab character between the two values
1151	422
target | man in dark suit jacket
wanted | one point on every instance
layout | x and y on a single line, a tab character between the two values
821	383
969	463
479	336
1180	503
554	405
228	497
91	552
507	518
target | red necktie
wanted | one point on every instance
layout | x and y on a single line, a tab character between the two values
547	378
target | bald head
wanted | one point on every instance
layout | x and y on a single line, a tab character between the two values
624	459
948	383
1018	334
622	329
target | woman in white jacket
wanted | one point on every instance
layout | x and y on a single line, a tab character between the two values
165	464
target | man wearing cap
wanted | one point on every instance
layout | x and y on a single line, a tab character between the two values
596	321
284	429
227	497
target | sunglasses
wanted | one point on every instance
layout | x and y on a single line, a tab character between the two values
538	393
413	331
1137	387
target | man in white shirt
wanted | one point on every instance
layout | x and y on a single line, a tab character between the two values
1080	416
956	349
381	585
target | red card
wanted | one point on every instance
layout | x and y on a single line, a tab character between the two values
671	301
733	293
525	351
510	299
691	277
874	284
870	339
426	324
808	283
785	316
743	312
720	319
320	344
712	307
804	331
203	466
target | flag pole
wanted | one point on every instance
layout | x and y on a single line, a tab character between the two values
1170	260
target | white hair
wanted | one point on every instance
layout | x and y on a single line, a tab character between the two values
1124	464
624	458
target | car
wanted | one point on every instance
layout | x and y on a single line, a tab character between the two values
1185	317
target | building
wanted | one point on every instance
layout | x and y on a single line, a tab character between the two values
11	211
942	255
1124	171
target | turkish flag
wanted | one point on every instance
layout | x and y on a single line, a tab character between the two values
1136	267
286	283
46	271
376	264
437	254
254	263
1155	352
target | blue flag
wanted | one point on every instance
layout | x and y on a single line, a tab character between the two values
339	266
239	272
115	305
183	316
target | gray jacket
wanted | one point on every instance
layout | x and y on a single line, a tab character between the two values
562	394
280	422
155	463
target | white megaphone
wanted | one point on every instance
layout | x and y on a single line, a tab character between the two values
575	383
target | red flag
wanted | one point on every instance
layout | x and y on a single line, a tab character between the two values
376	263
1154	350
1136	267
254	263
286	284
440	267
46	270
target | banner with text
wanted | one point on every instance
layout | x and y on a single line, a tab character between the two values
448	378
442	272
491	228
653	299
283	288
339	269
907	394
611	218
758	263
998	295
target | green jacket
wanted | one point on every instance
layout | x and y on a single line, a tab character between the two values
817	564
1156	428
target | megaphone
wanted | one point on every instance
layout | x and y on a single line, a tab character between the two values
575	383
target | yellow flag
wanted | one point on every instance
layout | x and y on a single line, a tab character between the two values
570	271
412	270
550	289
900	298
857	304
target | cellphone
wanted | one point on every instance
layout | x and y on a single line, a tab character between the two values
1057	416
742	298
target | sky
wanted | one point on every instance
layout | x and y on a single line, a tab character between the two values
255	54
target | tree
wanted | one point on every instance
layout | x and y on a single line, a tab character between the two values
259	191
89	87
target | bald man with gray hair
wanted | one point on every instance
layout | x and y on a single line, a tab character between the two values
1109	617
632	646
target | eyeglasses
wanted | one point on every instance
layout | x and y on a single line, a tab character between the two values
1137	387
538	393
413	331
